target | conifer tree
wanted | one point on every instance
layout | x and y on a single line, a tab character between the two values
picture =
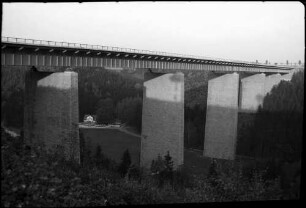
278	125
157	165
168	172
168	162
125	163
98	155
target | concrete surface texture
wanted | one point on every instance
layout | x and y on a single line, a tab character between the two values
162	118
271	81
252	92
287	77
221	117
51	111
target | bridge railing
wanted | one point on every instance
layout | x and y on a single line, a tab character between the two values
107	48
117	49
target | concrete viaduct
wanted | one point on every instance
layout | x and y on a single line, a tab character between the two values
51	94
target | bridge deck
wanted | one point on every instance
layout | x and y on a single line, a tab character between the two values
28	52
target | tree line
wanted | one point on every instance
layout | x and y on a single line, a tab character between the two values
277	128
109	95
275	131
128	111
194	128
100	89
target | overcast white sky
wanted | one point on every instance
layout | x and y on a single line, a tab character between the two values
245	31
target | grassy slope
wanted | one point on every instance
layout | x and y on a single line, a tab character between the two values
113	143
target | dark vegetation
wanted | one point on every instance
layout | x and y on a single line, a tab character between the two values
195	109
110	96
277	128
194	129
12	89
31	177
99	84
125	163
129	110
113	143
12	108
274	134
105	111
273	137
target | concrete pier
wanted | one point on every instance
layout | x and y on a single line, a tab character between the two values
51	112
162	118
252	92
221	117
287	77
271	81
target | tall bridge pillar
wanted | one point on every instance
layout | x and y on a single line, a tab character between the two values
51	111
222	117
287	77
223	99
254	88
162	118
252	92
271	81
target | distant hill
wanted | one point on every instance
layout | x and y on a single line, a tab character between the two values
196	89
96	84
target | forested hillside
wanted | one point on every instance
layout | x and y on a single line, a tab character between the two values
275	133
110	95
277	129
195	109
34	178
12	89
96	86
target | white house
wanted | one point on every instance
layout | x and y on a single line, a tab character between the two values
89	119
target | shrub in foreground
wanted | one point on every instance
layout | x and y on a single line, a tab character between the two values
32	179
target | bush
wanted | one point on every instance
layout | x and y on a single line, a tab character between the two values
31	179
163	172
12	108
134	173
228	183
160	169
182	179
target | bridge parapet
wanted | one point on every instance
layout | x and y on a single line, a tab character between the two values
52	53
